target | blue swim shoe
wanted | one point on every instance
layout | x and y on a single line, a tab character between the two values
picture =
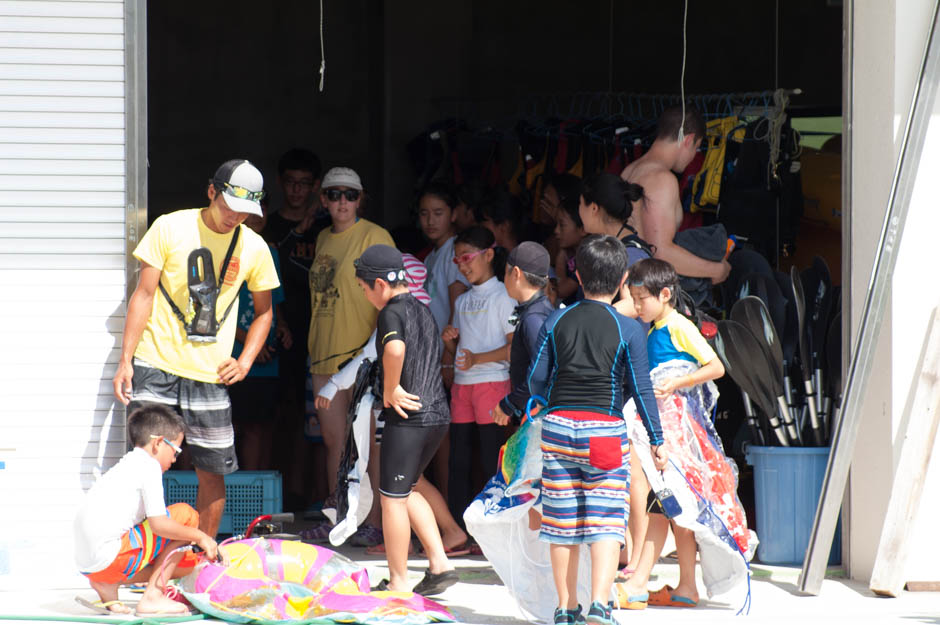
569	617
600	614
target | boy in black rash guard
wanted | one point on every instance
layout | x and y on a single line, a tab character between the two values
416	416
590	359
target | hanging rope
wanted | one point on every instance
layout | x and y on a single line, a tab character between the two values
685	15
322	52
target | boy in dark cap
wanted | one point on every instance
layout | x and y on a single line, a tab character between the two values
416	416
526	277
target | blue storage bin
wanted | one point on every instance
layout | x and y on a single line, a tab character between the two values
787	484
248	494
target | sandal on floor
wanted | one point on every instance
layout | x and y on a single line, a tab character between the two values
378	549
665	597
624	574
435	583
103	607
624	601
463	549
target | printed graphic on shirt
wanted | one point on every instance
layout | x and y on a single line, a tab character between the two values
323	293
232	272
302	254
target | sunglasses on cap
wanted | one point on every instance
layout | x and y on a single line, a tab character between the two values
334	195
466	258
240	192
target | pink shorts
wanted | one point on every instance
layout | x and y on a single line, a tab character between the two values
474	403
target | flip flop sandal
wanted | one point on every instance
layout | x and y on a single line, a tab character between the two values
137	587
624	574
102	607
463	549
381	586
459	550
378	549
435	583
664	597
623	601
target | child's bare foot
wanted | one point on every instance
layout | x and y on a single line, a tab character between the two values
160	605
404	587
689	592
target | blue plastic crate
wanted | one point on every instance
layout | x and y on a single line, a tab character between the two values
248	494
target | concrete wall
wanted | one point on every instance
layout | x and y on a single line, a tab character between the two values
889	41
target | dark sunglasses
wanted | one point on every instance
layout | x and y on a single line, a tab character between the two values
334	195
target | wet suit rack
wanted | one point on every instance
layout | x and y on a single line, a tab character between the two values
522	142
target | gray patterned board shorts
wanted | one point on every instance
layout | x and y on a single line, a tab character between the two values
206	411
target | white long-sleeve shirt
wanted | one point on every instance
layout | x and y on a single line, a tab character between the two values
346	377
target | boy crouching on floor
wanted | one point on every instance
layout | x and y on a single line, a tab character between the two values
124	531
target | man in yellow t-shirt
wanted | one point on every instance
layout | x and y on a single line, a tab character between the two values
341	318
177	346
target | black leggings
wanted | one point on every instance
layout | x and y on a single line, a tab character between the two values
406	451
460	489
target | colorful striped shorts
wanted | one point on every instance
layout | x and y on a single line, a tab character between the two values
585	477
140	547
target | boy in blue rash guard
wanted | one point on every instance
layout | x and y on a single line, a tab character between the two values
654	285
589	359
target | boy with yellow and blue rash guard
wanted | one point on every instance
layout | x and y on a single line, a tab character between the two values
589	358
653	285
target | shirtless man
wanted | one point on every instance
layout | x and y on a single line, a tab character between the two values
657	216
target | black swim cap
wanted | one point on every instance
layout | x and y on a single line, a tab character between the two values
380	261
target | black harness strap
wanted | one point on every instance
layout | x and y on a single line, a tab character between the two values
224	269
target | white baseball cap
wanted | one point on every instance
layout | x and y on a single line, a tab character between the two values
242	184
341	177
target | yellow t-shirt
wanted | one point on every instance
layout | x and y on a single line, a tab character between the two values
166	246
341	317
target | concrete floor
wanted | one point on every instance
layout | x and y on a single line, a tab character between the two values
480	598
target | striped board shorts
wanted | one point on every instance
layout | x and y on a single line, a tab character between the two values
205	408
140	547
585	477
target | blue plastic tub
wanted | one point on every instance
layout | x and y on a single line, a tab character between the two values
248	494
787	483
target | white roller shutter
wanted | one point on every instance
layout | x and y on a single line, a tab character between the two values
63	181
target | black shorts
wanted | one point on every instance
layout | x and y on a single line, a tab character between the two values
652	504
206	411
406	452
